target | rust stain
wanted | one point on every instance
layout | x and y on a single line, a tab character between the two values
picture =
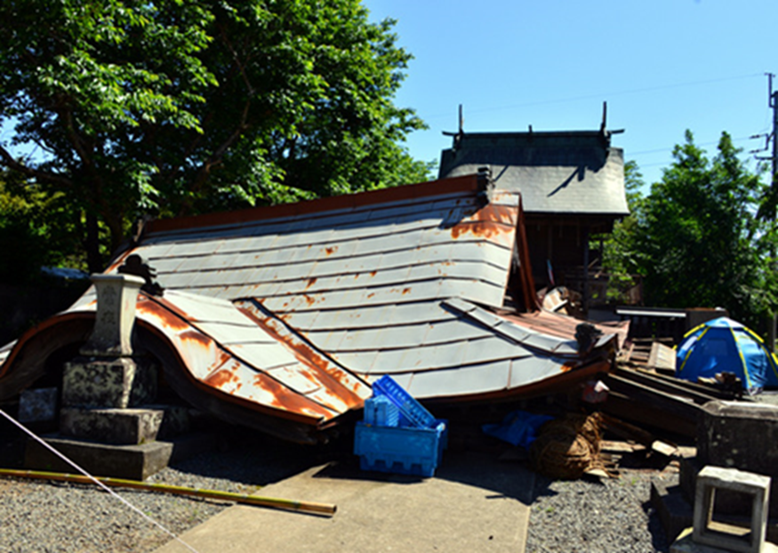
370	295
220	378
311	282
373	273
482	229
197	337
405	291
169	320
330	250
489	221
335	380
499	213
308	299
287	399
310	378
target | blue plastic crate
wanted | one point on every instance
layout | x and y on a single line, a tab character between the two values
381	411
400	450
411	411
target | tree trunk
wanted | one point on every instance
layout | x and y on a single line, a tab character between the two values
93	258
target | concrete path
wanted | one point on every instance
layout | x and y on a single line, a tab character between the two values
474	503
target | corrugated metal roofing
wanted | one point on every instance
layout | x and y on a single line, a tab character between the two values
294	309
575	173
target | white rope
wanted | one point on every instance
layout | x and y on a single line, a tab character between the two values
96	481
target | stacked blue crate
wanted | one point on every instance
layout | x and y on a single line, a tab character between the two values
397	434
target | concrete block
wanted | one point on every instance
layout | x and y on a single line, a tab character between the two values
38	405
110	383
112	426
725	438
709	481
134	462
726	431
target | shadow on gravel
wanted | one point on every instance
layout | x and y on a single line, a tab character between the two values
251	458
658	536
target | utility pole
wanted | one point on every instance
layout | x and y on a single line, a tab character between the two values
772	101
774	104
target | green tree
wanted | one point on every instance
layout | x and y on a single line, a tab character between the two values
180	107
618	252
34	230
696	238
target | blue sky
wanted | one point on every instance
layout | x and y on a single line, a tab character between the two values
663	66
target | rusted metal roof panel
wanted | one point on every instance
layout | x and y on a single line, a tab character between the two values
225	348
294	312
395	336
470	380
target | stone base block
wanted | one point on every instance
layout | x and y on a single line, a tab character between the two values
134	462
112	426
108	383
125	426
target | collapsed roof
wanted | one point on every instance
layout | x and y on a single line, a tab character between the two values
280	317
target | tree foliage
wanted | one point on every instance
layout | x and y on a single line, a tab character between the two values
180	107
696	238
35	230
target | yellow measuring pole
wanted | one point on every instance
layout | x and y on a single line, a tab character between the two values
274	503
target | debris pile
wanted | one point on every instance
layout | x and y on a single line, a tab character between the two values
569	447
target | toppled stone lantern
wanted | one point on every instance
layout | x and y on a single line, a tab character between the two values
101	387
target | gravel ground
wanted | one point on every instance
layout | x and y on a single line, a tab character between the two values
593	516
566	516
38	516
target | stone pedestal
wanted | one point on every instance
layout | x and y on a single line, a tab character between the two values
117	382
108	422
99	387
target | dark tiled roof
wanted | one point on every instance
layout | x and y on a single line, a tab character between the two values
555	172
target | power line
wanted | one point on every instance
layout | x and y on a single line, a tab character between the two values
605	94
710	143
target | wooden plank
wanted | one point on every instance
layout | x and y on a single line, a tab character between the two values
661	357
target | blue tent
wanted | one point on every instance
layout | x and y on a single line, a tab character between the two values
725	345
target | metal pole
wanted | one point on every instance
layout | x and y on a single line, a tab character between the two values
272	502
773	102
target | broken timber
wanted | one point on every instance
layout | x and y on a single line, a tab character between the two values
658	401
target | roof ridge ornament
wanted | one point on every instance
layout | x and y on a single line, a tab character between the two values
485	184
135	265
